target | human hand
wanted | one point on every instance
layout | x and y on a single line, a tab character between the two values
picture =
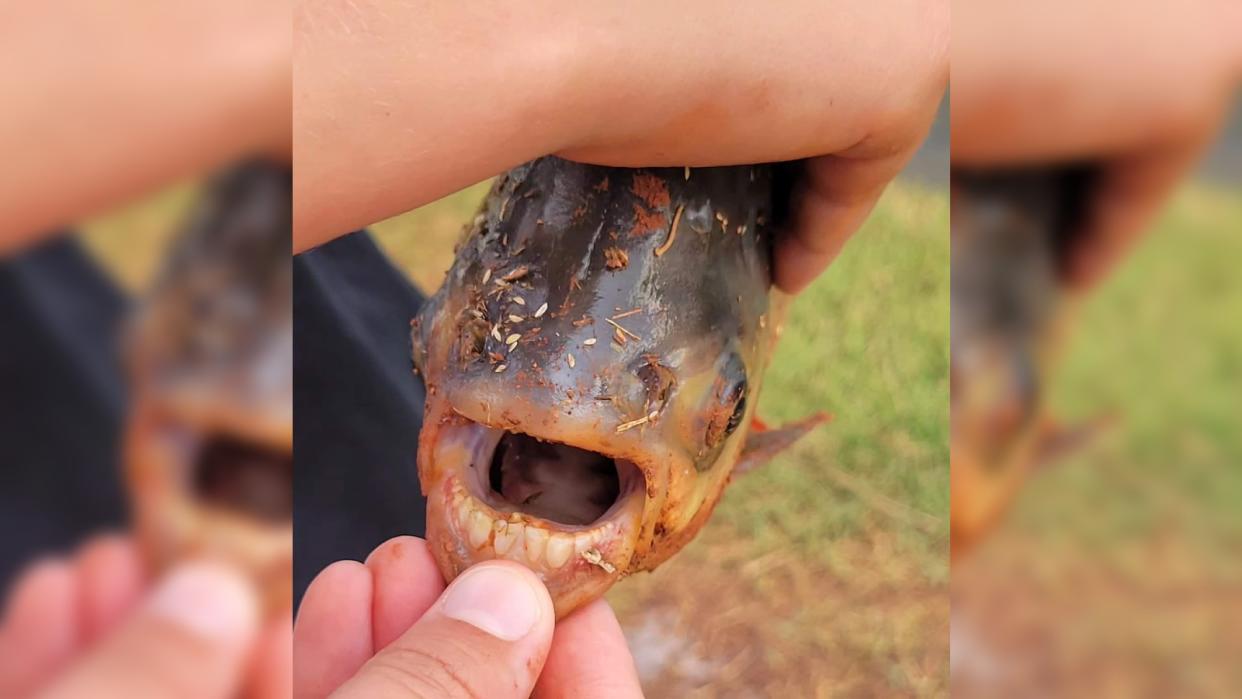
388	628
1137	88
400	104
90	627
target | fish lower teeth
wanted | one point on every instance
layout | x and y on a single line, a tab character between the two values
479	529
504	539
536	541
558	550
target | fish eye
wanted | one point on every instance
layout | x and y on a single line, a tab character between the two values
739	406
728	403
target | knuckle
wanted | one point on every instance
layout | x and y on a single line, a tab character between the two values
422	672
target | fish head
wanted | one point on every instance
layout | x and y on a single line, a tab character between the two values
592	363
1013	232
208	441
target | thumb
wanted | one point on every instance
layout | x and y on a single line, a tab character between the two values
190	640
487	636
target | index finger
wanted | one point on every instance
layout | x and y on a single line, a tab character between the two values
589	658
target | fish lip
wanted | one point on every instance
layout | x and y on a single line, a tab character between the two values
172	520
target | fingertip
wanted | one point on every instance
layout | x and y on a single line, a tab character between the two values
488	635
46	580
397	549
502	598
271	670
332	634
210	600
111	576
343	577
589	657
797	265
40	630
406	583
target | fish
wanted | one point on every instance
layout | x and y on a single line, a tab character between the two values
1013	232
592	364
208	438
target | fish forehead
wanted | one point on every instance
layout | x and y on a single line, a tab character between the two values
535	269
215	330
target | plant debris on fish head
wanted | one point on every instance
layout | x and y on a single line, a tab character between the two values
592	363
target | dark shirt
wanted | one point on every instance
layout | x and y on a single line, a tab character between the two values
357	404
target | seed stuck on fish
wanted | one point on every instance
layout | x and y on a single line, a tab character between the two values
687	173
672	232
620	329
588	342
635	423
570	358
487	275
519	300
616	258
542	309
514	318
496	333
500	367
516	273
595	558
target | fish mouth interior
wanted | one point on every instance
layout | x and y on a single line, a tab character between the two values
245	478
553	484
553	481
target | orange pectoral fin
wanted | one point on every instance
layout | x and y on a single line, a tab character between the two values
1056	441
763	442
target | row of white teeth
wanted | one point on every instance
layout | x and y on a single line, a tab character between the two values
518	539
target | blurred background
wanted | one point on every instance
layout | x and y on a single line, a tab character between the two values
1116	572
824	573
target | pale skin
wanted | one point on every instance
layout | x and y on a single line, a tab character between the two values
108	101
84	625
1138	87
378	629
397	105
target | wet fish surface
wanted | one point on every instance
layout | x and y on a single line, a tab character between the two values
593	361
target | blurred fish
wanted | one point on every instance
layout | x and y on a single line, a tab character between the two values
1013	232
593	361
208	445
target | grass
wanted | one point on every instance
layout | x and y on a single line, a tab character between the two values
132	240
837	549
1160	346
1126	553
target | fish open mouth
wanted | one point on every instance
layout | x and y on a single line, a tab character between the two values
244	478
549	505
